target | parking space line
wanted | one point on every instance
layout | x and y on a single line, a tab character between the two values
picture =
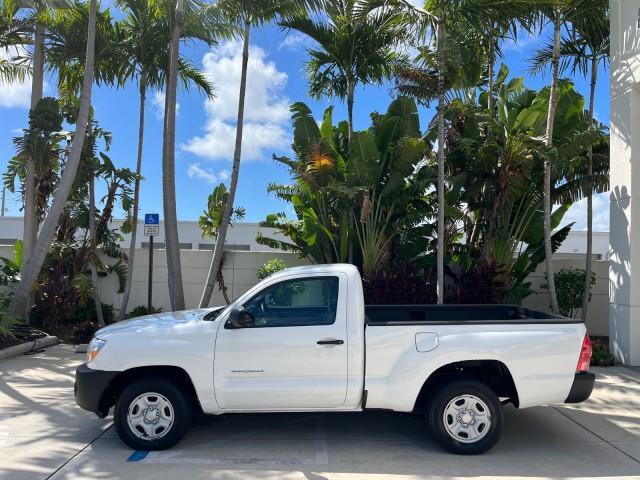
78	453
137	456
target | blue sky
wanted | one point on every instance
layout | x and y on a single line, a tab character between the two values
206	129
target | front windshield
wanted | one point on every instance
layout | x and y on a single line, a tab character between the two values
215	313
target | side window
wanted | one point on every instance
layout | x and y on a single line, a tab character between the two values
299	302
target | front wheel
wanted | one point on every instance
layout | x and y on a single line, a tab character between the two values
152	414
466	417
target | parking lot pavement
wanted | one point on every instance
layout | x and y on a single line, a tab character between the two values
44	435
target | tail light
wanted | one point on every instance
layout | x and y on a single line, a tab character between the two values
585	355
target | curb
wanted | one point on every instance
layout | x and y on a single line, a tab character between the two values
27	347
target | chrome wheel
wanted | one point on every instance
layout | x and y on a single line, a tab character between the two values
150	416
467	418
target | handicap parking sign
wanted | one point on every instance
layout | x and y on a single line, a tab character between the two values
151	224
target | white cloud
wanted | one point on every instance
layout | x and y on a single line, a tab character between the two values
14	94
257	140
206	174
158	103
578	214
295	40
526	41
266	115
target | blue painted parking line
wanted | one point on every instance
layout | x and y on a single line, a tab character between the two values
137	456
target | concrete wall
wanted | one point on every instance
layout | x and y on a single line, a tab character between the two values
598	315
240	270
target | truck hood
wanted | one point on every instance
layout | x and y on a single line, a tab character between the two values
157	320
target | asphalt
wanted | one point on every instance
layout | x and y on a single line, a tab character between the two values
44	435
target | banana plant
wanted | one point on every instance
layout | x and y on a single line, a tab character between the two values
335	181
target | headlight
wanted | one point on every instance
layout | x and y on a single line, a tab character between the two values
94	348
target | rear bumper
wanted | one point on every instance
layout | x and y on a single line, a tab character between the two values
582	387
90	387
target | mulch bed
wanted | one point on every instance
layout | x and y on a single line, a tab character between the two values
6	342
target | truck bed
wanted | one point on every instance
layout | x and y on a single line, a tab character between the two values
459	314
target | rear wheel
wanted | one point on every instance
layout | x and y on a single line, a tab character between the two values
152	414
466	417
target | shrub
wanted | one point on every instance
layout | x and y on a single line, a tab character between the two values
6	319
270	267
82	332
570	290
142	310
480	284
402	283
601	356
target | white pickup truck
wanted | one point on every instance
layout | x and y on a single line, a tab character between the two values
303	340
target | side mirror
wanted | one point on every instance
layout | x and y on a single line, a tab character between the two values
240	318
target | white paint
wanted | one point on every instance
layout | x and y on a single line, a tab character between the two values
283	367
624	267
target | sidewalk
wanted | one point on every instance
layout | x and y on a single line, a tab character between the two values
44	435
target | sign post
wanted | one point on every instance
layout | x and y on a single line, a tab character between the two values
151	229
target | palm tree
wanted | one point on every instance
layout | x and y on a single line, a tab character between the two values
357	43
246	13
558	14
174	268
35	261
210	219
145	34
14	32
583	51
548	142
30	215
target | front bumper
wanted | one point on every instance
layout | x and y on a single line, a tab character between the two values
90	388
582	387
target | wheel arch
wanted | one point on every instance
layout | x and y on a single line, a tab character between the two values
494	373
176	375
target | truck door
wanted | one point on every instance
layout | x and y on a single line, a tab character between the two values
293	354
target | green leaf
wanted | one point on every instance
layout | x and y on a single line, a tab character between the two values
305	128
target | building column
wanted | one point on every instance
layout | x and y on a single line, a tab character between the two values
624	238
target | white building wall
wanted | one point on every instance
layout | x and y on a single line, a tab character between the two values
242	234
239	236
624	266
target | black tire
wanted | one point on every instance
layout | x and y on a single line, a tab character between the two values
181	417
436	417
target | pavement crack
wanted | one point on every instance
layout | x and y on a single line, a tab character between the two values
51	475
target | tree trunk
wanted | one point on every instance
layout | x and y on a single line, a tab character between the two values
136	199
221	285
94	252
174	269
218	251
440	246
350	99
551	113
34	262
589	260
490	64
30	219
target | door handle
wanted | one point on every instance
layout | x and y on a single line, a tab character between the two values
330	342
